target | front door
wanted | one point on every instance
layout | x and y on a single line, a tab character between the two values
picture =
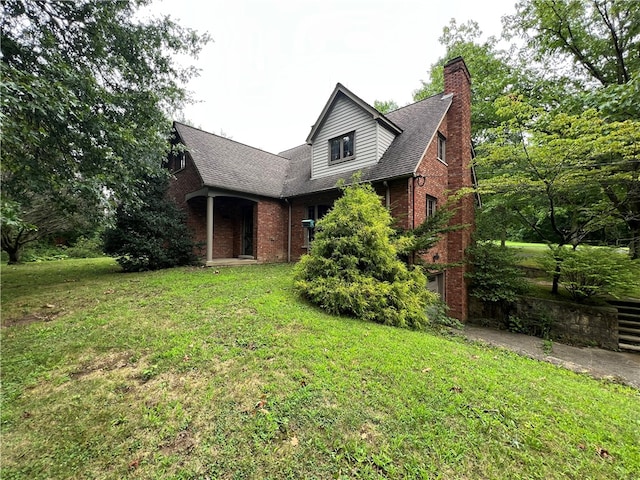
247	230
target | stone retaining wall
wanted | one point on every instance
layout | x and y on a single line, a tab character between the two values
569	322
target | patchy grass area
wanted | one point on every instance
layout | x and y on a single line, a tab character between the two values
204	373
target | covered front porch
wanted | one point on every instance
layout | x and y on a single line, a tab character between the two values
227	232
236	229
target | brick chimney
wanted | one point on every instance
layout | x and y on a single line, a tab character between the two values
457	81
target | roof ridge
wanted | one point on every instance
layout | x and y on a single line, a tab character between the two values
292	148
231	140
415	103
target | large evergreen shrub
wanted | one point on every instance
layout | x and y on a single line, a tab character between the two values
150	234
353	267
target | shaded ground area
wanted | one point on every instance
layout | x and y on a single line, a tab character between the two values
621	367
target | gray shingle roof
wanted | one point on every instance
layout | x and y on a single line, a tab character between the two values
419	122
224	163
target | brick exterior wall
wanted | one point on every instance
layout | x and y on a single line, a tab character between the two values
299	212
269	220
432	176
186	181
270	232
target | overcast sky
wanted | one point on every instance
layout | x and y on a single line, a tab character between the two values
273	63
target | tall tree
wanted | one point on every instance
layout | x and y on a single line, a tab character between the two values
486	64
86	89
548	169
599	41
599	37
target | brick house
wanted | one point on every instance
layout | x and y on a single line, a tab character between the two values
246	203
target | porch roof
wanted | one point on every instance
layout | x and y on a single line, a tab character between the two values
230	165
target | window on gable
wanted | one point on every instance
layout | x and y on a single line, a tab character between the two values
431	206
442	148
176	161
181	161
342	148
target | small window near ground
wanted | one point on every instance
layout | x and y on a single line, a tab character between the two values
436	284
342	148
442	148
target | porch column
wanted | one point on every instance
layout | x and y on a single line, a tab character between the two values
209	229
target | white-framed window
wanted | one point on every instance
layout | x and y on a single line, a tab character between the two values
342	148
436	283
315	213
431	206
442	148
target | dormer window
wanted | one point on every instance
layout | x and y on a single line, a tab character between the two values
342	148
176	161
442	148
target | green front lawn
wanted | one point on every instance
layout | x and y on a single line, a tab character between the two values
226	373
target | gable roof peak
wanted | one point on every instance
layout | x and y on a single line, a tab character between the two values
342	90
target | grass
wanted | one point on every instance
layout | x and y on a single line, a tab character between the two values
203	373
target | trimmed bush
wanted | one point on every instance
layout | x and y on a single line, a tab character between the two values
353	267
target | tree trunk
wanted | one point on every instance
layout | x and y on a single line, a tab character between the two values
634	245
556	277
14	255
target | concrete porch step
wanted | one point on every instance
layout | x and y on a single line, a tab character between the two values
230	262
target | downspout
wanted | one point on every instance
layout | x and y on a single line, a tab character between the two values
413	202
387	195
413	213
289	233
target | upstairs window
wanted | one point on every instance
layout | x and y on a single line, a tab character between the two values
442	148
431	206
342	148
176	161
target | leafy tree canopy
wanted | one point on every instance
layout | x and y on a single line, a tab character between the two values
491	74
593	42
385	106
86	86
